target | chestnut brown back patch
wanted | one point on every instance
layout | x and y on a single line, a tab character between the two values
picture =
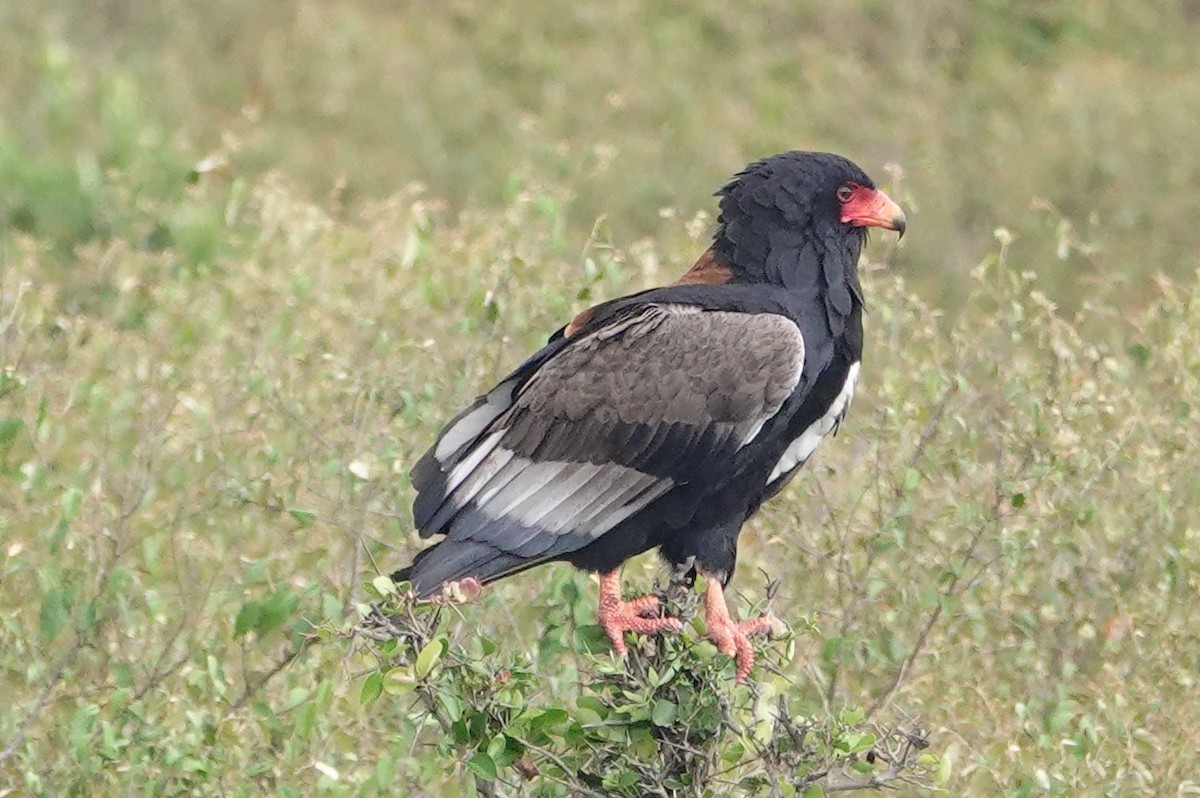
577	323
706	271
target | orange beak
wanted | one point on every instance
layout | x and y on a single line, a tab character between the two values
870	207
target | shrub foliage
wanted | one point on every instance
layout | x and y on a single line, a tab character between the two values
201	463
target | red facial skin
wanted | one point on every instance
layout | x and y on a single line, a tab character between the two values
869	207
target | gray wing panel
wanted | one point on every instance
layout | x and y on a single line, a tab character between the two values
609	424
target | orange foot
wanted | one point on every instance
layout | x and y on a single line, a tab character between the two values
618	616
459	592
733	638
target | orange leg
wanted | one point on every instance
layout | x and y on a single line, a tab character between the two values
733	638
618	616
459	592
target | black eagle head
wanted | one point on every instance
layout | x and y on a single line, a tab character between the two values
787	215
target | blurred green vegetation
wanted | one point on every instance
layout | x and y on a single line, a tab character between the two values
1063	121
230	321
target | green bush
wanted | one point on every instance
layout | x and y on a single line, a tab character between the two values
663	721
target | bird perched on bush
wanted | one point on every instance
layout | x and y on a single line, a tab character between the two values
665	418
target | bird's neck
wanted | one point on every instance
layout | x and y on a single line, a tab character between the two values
815	271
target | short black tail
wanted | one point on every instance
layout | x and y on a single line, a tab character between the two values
452	560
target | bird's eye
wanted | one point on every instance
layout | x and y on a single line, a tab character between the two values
844	193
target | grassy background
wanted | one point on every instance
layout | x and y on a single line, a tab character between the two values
230	319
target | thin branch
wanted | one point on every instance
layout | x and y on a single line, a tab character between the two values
935	615
858	585
253	687
897	763
879	782
576	787
40	704
928	433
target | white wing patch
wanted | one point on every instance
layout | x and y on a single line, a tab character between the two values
471	425
802	447
551	496
468	465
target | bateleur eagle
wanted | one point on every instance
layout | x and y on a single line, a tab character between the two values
665	418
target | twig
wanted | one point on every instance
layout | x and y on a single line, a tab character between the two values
858	595
950	590
873	783
576	787
253	687
913	743
416	634
36	710
928	433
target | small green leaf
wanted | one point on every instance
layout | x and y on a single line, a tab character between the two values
87	617
857	743
664	713
247	618
71	501
593	703
667	675
295	697
216	675
54	613
430	655
57	537
306	719
397	682
591	639
304	517
452	706
372	688
496	746
384	586
385	772
276	609
945	770
482	766
9	428
548	720
851	716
